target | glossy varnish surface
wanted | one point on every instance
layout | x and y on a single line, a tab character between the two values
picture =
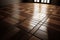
30	21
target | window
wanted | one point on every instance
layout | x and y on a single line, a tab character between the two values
36	0
45	1
42	1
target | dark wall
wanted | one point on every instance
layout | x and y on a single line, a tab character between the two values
27	1
57	2
6	2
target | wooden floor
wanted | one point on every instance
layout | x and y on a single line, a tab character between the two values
30	21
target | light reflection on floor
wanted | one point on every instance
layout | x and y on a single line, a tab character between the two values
31	19
40	12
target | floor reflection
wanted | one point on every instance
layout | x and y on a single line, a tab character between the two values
30	21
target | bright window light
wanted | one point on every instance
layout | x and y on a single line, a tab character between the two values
42	1
36	0
45	1
48	1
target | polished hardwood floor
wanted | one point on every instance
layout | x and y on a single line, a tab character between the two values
30	21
